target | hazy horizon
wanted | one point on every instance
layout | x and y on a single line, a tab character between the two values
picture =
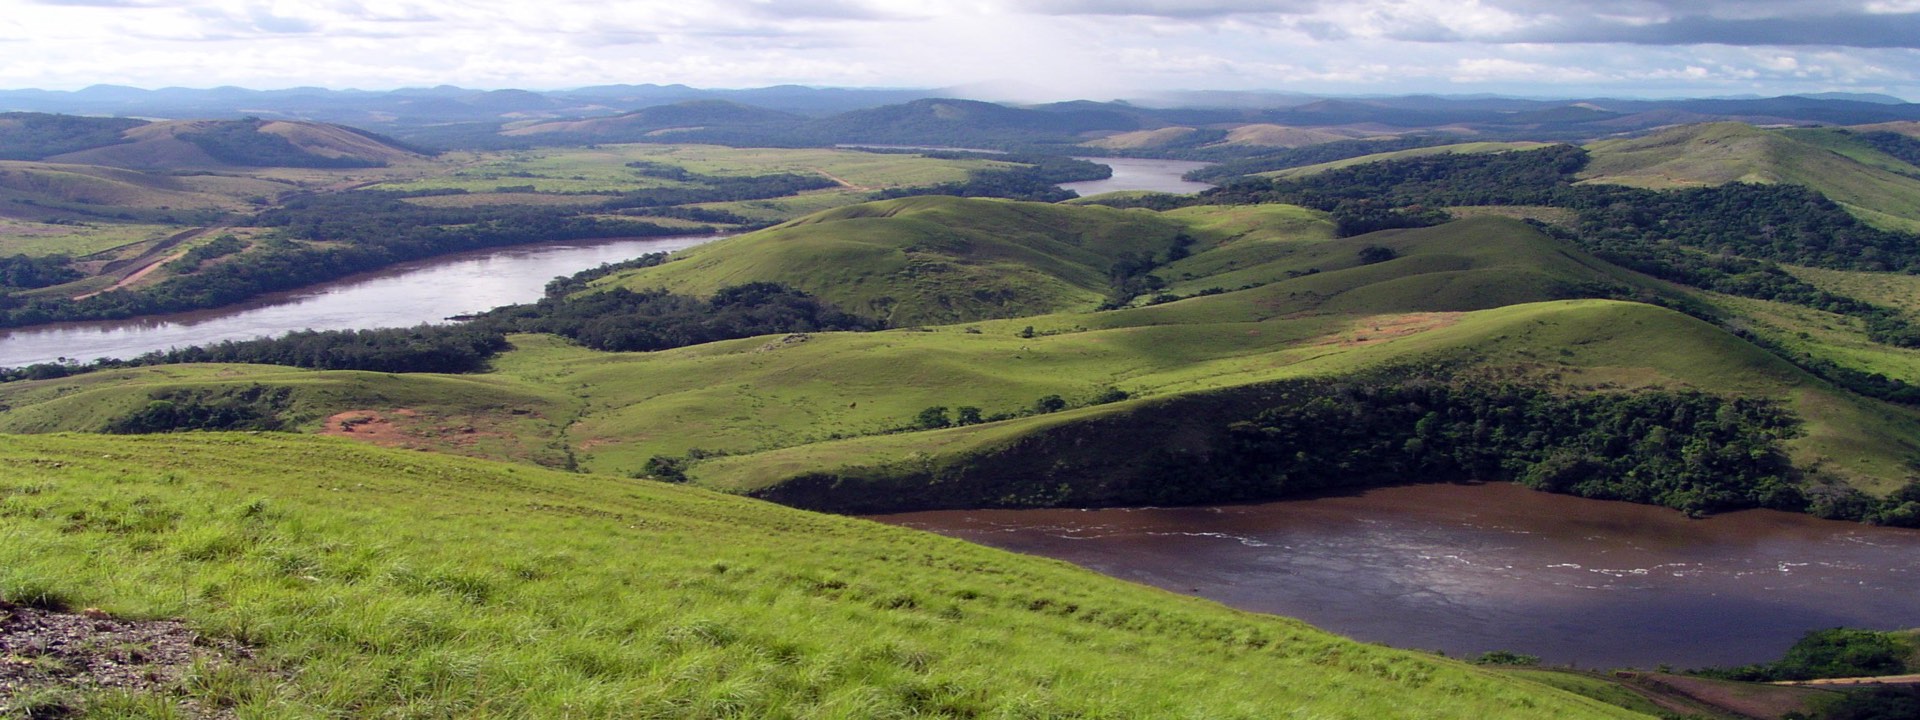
1026	51
981	92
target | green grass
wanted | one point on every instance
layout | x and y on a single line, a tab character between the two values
1720	153
603	168
480	199
1138	139
1564	217
51	186
1471	148
777	210
1590	685
1843	142
1582	345
926	260
1479	289
1895	290
376	583
482	416
863	169
548	170
32	238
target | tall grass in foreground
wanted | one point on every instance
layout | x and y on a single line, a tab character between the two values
395	584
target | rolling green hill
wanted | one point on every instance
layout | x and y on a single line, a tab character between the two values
241	143
1089	454
370	582
1483	296
1460	148
1859	178
111	197
650	123
1143	139
32	136
927	260
1265	135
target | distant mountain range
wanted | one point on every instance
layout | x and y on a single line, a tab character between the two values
788	115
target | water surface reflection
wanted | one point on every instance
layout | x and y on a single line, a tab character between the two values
1468	569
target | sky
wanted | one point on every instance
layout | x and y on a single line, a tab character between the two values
1004	49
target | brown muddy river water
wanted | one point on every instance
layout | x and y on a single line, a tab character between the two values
1466	569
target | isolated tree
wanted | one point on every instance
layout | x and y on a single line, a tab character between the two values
933	418
1376	254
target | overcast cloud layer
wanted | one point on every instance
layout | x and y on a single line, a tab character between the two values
1037	49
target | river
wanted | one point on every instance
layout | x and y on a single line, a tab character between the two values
426	291
423	291
1140	174
1467	569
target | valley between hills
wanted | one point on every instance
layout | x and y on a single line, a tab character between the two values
624	498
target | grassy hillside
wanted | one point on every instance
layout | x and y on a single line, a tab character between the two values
37	238
1462	148
60	184
1895	290
1254	135
479	416
242	143
1086	453
1720	153
372	582
32	136
40	192
928	260
1142	139
1468	265
655	121
1264	135
607	169
759	412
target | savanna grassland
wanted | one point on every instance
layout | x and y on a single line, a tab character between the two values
1262	296
572	542
369	582
101	242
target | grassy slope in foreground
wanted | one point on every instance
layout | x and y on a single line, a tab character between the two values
926	260
376	582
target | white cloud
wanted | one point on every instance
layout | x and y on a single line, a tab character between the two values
1482	70
1061	48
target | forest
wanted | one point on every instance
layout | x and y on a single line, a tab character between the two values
1691	451
26	272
